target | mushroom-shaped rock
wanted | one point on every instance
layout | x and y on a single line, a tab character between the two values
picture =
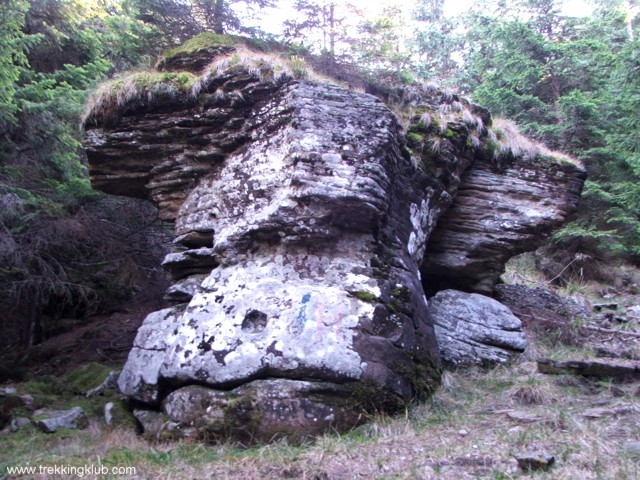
301	218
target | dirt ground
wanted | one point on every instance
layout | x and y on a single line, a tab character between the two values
105	338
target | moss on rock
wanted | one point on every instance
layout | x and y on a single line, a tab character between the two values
414	138
364	296
86	377
199	42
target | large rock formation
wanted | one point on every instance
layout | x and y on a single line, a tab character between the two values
302	214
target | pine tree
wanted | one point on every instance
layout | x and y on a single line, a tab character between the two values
180	20
13	46
435	42
318	24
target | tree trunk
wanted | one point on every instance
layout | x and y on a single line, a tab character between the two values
218	17
631	13
332	29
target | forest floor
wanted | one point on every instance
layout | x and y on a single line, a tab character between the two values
475	425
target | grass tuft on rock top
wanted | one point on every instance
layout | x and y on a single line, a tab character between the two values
114	95
509	142
145	87
211	40
272	67
429	127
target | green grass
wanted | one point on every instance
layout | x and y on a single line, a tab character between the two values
86	378
365	296
420	442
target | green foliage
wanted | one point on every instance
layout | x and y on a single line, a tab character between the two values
13	46
435	41
584	232
86	377
57	260
377	45
570	83
365	296
318	24
179	20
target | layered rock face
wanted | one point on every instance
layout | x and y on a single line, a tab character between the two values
502	209
296	220
298	251
302	220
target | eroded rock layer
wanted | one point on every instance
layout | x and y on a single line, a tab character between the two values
503	208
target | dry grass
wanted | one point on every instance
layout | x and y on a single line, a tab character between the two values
425	119
532	392
522	270
510	142
134	86
264	66
436	144
475	141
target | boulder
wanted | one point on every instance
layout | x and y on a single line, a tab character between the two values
7	391
615	411
51	420
264	410
140	375
316	228
19	423
10	402
474	329
540	304
603	368
532	461
153	423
